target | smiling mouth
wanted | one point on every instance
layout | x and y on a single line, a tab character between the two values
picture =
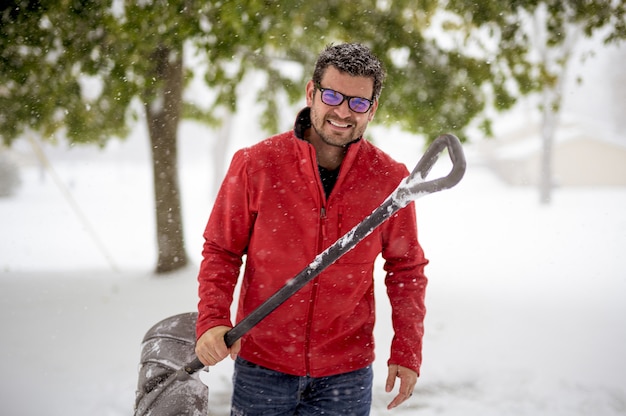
340	125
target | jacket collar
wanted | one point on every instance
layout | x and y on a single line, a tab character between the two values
303	122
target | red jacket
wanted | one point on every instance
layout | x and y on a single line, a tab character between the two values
272	208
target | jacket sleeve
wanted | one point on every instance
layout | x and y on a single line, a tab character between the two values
406	286
226	239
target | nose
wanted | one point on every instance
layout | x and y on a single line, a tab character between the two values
343	110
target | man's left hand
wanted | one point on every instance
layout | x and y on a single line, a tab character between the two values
408	379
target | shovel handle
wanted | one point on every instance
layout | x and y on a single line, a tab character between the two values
416	184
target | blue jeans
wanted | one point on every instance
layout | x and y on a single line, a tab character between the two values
261	391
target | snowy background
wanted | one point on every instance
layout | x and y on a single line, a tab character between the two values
526	303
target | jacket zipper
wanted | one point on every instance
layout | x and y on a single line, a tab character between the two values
314	288
323	228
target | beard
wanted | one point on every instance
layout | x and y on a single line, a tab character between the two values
319	122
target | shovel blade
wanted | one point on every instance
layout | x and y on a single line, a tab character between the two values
166	348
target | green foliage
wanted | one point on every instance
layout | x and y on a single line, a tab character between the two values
511	25
447	61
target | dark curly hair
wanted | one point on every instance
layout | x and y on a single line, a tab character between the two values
354	59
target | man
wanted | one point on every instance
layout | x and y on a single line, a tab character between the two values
282	202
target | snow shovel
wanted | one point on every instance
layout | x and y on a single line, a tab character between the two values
412	187
167	346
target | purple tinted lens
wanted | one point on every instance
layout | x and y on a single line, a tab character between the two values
359	105
331	97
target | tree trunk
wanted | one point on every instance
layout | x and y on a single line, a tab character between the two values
557	59
548	127
163	108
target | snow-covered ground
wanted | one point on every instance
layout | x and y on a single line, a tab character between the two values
526	302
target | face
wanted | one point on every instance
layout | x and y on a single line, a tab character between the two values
339	125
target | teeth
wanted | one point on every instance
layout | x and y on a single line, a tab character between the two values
334	123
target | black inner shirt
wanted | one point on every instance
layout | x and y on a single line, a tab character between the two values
329	177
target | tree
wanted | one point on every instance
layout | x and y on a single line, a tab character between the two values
558	28
50	50
134	51
536	39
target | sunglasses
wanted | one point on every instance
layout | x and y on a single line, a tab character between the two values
334	98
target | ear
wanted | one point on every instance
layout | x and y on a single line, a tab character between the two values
310	90
370	116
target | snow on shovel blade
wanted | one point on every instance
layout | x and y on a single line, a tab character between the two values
161	390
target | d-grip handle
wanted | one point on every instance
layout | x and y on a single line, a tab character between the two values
416	182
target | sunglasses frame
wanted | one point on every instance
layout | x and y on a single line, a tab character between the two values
344	98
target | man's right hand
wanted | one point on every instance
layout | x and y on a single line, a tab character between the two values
211	348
